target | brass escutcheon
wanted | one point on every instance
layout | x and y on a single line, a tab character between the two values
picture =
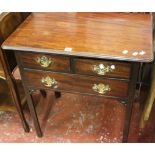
44	61
102	69
49	82
101	88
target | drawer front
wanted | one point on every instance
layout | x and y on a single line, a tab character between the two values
45	61
76	83
103	68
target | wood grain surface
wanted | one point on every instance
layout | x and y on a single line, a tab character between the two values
59	63
99	35
74	83
85	66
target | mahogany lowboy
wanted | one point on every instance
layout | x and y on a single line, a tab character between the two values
88	53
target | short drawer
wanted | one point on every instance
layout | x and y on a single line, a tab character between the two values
45	61
76	83
103	68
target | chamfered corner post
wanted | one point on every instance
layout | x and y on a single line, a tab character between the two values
131	96
33	112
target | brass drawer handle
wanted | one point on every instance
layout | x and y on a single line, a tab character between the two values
101	88
102	69
44	61
49	82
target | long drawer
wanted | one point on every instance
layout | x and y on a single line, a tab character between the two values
75	83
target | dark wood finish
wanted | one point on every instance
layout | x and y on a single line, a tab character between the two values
99	35
75	83
130	100
57	94
60	63
8	23
33	113
85	66
93	36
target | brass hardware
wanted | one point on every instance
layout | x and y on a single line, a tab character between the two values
102	70
44	61
49	82
101	88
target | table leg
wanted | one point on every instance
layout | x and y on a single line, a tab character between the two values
131	95
57	94
43	93
33	113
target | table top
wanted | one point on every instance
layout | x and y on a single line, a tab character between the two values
120	36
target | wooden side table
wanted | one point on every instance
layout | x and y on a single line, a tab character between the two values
88	53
